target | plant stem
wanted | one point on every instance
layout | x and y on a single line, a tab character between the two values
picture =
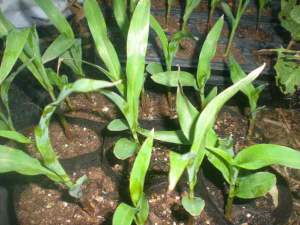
235	24
230	41
231	194
202	98
251	126
66	126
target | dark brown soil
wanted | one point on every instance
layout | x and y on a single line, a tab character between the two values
252	212
42	202
166	209
84	140
92	106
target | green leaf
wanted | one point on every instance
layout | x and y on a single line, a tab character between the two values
120	13
15	136
255	185
117	100
36	67
4	93
226	9
117	125
178	163
139	170
236	74
104	46
56	17
289	18
133	4
143	207
220	164
15	160
137	41
262	155
208	52
124	148
170	136
207	119
295	14
173	78
5	25
193	206
75	191
42	130
124	215
59	46
14	45
73	58
161	35
187	114
154	68
213	93
189	7
173	47
287	74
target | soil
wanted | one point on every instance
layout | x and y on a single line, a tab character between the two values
251	212
41	202
165	208
92	106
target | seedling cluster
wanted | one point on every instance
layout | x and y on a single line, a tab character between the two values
243	171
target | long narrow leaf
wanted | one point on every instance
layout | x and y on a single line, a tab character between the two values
207	119
161	35
120	12
137	41
60	45
139	170
42	130
15	136
104	46
187	114
14	160
208	52
56	17
14	45
261	155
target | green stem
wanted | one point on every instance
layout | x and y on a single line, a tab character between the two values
202	98
230	41
240	11
231	194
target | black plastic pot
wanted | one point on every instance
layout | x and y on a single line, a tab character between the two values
281	213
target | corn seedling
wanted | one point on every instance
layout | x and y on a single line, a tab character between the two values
127	100
126	214
173	78
238	170
233	20
42	130
198	130
65	45
252	93
190	5
169	49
